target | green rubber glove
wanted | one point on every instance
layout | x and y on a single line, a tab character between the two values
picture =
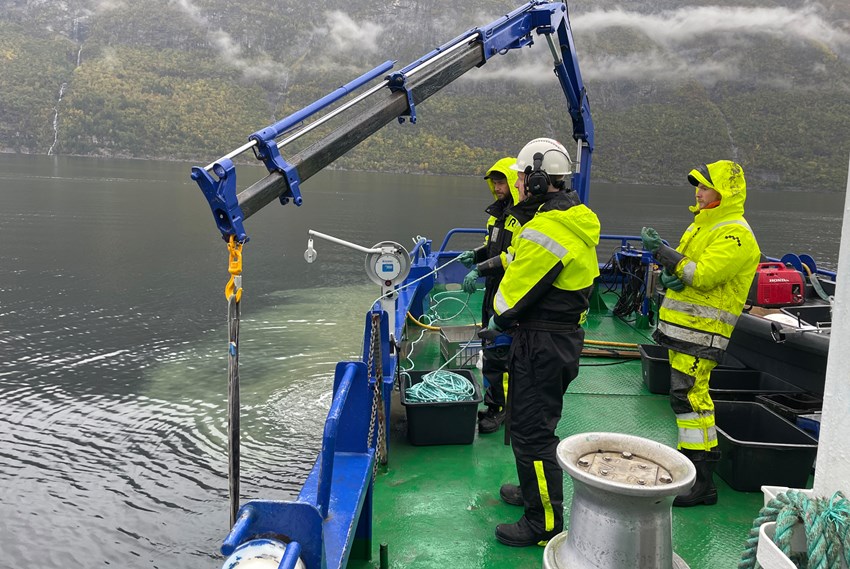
469	281
467	258
491	332
671	281
651	239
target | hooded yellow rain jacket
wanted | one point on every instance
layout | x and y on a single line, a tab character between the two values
720	259
503	166
490	258
501	225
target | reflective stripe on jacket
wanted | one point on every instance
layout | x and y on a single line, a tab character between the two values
554	264
721	257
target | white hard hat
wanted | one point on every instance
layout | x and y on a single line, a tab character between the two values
555	159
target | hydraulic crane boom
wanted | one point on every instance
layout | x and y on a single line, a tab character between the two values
396	97
332	516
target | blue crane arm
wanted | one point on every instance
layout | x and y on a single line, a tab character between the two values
331	520
395	98
551	20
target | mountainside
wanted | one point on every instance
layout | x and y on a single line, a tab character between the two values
671	83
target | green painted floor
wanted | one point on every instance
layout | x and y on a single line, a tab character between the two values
438	506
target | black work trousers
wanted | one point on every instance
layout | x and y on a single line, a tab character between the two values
495	370
542	365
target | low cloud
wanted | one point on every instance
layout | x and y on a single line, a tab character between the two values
673	27
658	67
106	5
676	37
347	34
339	36
253	67
192	11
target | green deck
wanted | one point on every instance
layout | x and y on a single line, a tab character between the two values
438	506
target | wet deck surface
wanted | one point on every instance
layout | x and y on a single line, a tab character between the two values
438	506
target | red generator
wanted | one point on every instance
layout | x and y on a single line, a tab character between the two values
776	285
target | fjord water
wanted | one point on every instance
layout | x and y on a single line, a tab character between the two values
113	333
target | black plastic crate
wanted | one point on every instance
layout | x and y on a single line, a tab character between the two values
447	423
655	366
791	405
814	315
760	448
746	384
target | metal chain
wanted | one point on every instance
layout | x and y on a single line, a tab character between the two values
378	413
375	394
381	445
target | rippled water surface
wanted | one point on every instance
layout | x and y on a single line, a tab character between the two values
113	328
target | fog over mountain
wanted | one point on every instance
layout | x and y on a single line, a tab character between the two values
671	83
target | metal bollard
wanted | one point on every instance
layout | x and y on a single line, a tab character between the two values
623	491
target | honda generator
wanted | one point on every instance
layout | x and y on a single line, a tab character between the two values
776	285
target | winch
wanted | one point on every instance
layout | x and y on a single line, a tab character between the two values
387	265
776	285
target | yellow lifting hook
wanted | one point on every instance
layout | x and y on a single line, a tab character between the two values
234	285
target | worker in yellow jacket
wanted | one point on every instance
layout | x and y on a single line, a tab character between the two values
542	300
707	278
488	261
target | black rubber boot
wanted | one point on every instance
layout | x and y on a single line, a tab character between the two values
521	534
489	410
491	422
511	494
704	491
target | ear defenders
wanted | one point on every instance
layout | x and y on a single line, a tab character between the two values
537	181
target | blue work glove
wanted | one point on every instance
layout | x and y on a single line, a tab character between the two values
651	240
469	281
467	258
671	281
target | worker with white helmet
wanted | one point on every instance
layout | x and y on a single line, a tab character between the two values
543	299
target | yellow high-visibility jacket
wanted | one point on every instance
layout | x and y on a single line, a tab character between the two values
721	257
553	267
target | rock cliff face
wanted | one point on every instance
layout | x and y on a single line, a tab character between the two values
671	83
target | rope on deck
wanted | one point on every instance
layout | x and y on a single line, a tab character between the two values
826	522
440	386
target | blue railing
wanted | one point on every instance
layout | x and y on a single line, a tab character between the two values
329	440
459	230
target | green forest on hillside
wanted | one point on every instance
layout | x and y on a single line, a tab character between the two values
155	80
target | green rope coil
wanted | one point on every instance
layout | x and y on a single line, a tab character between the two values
440	386
826	523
